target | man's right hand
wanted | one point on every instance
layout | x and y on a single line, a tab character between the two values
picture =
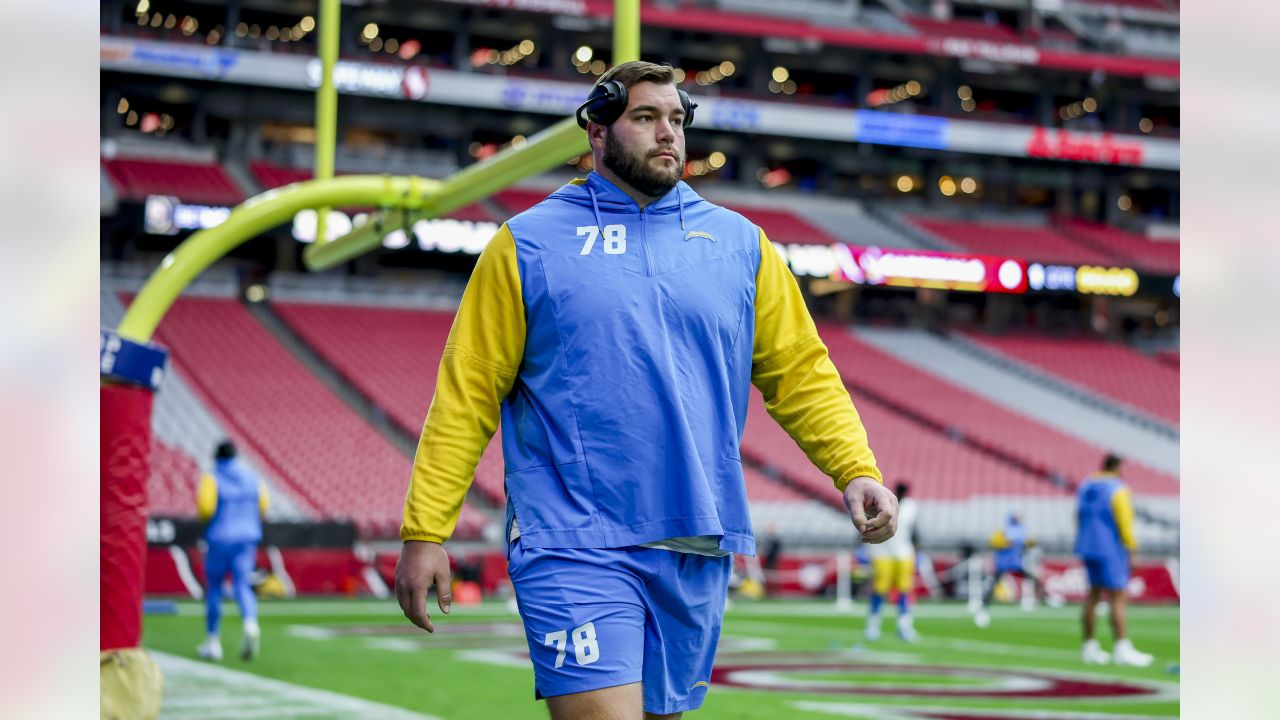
421	566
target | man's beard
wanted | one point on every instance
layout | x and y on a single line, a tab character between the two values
637	172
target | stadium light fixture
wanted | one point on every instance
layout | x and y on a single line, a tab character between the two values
409	49
780	74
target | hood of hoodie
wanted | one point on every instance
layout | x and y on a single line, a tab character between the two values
598	193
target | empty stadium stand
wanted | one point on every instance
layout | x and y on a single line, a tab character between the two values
392	356
936	466
1139	250
1152	5
1039	244
964	28
271	176
1112	370
200	183
184	435
1007	383
517	200
287	420
783	226
963	414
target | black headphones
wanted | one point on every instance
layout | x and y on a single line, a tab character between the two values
608	101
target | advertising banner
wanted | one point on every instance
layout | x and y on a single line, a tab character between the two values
930	269
415	83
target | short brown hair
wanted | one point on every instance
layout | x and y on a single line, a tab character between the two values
635	71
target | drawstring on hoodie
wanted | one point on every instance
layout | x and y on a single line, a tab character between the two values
595	206
680	198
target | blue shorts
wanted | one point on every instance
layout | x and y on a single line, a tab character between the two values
598	618
1107	573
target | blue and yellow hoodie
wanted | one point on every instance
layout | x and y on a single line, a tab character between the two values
617	345
1104	518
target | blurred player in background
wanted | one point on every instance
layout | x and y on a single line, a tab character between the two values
1010	543
233	502
893	567
1105	542
615	328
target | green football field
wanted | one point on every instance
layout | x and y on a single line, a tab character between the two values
777	659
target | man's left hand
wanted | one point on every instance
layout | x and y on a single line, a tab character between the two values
874	509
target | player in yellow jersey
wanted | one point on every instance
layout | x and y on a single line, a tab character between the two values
893	567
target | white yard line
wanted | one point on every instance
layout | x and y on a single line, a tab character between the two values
206	691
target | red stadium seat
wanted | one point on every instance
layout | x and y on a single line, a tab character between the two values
1114	371
782	226
393	356
1035	243
937	467
1156	256
204	184
978	420
286	419
517	201
960	28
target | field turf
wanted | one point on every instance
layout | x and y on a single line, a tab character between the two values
777	659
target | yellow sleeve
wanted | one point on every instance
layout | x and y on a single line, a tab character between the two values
1122	510
998	540
264	498
802	388
481	358
206	497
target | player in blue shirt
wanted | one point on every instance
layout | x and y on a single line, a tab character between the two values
1011	543
615	329
1105	543
232	501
